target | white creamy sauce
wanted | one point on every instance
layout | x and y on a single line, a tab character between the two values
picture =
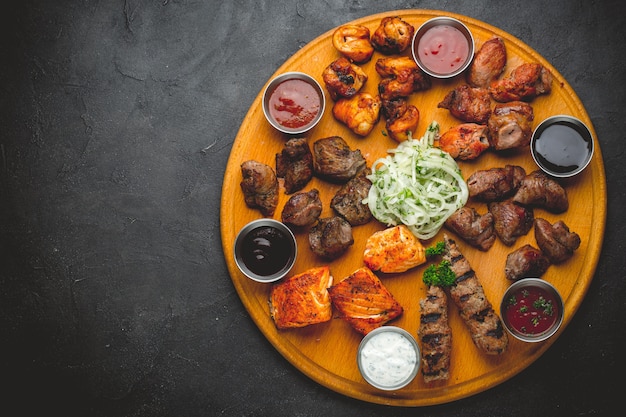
388	358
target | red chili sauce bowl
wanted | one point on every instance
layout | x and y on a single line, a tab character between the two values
293	102
531	309
443	47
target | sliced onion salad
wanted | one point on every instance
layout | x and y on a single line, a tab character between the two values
417	185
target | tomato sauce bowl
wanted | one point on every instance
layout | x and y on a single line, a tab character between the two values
293	102
443	47
532	309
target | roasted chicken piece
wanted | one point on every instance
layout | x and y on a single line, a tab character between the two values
475	309
360	112
348	201
334	161
343	78
488	63
556	241
259	186
538	189
295	164
468	104
511	220
394	249
302	209
525	262
510	125
392	36
399	128
495	183
400	77
302	299
331	237
473	228
363	301
465	141
435	335
525	82
353	42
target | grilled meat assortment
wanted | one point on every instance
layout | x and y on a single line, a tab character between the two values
259	186
435	335
334	161
488	63
295	164
473	228
302	208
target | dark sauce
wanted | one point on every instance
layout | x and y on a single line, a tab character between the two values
266	250
531	310
562	147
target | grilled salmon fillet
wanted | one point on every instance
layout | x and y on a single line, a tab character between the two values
362	300
394	249
302	299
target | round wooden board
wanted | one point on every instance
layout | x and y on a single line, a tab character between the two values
327	352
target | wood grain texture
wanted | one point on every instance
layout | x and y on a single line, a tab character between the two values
327	352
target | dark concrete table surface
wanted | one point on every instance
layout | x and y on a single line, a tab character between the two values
117	119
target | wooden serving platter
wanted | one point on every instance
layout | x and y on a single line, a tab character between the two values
327	352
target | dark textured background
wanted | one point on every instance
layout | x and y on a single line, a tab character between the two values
116	121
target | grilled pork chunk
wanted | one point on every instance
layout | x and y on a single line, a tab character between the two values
510	125
538	189
511	220
466	141
295	164
334	161
259	186
302	299
473	228
362	300
302	208
331	237
556	241
435	335
394	249
525	82
476	311
524	262
496	183
348	201
468	104
488	63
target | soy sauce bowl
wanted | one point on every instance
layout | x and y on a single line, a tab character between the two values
265	250
294	102
455	44
532	310
562	146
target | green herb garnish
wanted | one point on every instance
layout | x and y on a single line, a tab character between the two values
439	274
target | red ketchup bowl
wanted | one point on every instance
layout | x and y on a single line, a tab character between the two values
531	309
293	102
443	47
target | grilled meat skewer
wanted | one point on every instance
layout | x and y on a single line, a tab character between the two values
435	335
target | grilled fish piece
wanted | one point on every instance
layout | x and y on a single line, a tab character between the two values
302	299
435	335
362	300
394	249
476	311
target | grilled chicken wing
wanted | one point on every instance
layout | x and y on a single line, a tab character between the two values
353	42
302	299
435	335
468	104
488	63
360	112
525	82
465	141
475	309
343	78
394	249
400	77
510	125
399	128
362	300
259	186
393	35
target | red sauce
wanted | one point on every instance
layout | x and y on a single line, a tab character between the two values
294	103
443	49
531	310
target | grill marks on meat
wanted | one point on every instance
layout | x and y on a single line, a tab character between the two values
302	209
524	262
510	125
331	237
511	220
538	189
295	164
348	201
259	186
471	105
496	183
363	301
473	228
302	299
466	141
525	82
435	335
556	241
476	311
334	161
488	63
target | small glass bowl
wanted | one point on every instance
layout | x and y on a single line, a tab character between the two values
265	250
271	89
443	21
518	300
